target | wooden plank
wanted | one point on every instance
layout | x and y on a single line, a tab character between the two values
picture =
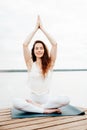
43	124
5	116
1	128
81	127
13	121
68	125
47	123
2	114
9	120
25	122
5	110
74	125
5	119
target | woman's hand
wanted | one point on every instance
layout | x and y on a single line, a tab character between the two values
38	23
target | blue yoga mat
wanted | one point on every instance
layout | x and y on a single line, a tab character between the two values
68	110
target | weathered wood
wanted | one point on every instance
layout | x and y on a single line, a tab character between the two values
42	123
65	126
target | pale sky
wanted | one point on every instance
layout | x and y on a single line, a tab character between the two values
65	20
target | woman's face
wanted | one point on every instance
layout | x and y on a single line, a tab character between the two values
38	50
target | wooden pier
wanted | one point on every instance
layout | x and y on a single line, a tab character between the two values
42	123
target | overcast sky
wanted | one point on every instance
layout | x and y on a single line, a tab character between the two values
65	20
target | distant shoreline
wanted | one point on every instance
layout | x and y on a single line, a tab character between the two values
24	70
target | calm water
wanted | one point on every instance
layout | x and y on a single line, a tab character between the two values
72	83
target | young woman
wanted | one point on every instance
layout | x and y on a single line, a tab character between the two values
40	64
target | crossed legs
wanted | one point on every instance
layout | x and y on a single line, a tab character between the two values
52	105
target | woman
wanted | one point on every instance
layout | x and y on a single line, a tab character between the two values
40	65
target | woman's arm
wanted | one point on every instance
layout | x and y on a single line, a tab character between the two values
27	55
53	52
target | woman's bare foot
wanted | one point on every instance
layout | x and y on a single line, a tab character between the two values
48	111
29	101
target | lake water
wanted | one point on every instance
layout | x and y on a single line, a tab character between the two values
70	83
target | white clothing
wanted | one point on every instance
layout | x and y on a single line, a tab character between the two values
48	101
36	82
45	100
41	99
40	93
23	105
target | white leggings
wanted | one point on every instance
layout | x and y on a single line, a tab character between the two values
45	100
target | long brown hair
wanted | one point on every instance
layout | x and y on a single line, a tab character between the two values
45	59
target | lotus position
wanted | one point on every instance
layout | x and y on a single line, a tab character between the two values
40	63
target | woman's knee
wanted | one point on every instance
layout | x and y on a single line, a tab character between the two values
19	103
65	101
62	100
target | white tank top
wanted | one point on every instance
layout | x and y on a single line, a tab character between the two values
36	82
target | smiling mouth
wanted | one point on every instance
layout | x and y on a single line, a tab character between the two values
39	53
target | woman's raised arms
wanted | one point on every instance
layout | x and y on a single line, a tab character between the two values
27	55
